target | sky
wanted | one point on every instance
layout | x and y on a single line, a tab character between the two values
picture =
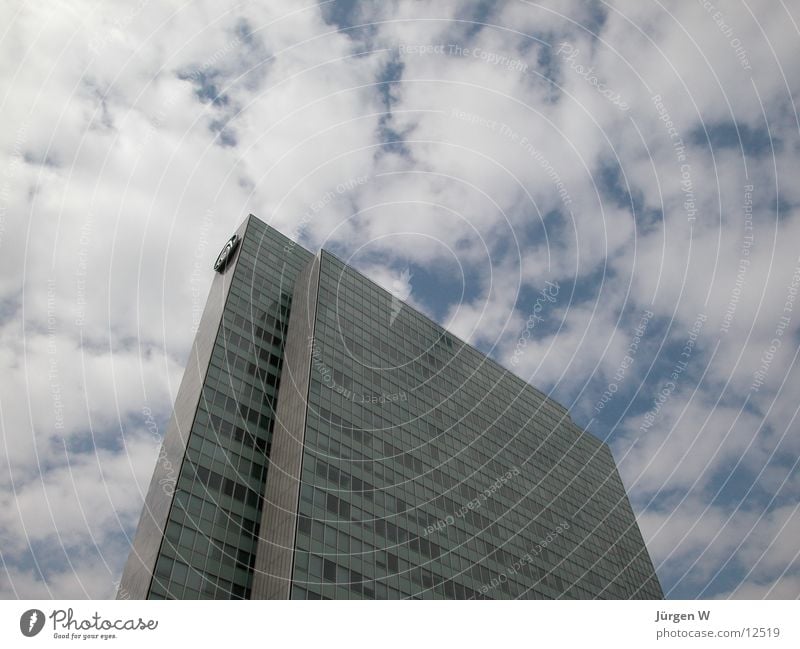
604	197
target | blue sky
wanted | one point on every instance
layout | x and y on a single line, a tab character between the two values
642	156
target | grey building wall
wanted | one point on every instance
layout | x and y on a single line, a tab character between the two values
138	570
430	471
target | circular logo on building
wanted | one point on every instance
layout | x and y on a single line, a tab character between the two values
226	253
31	622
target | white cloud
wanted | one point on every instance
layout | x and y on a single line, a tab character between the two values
135	139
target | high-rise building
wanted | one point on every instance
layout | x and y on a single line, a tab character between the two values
330	441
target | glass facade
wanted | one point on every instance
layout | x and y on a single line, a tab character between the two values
431	472
209	541
413	465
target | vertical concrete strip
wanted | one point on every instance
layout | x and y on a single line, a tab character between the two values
275	551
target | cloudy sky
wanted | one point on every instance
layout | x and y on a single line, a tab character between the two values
636	161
